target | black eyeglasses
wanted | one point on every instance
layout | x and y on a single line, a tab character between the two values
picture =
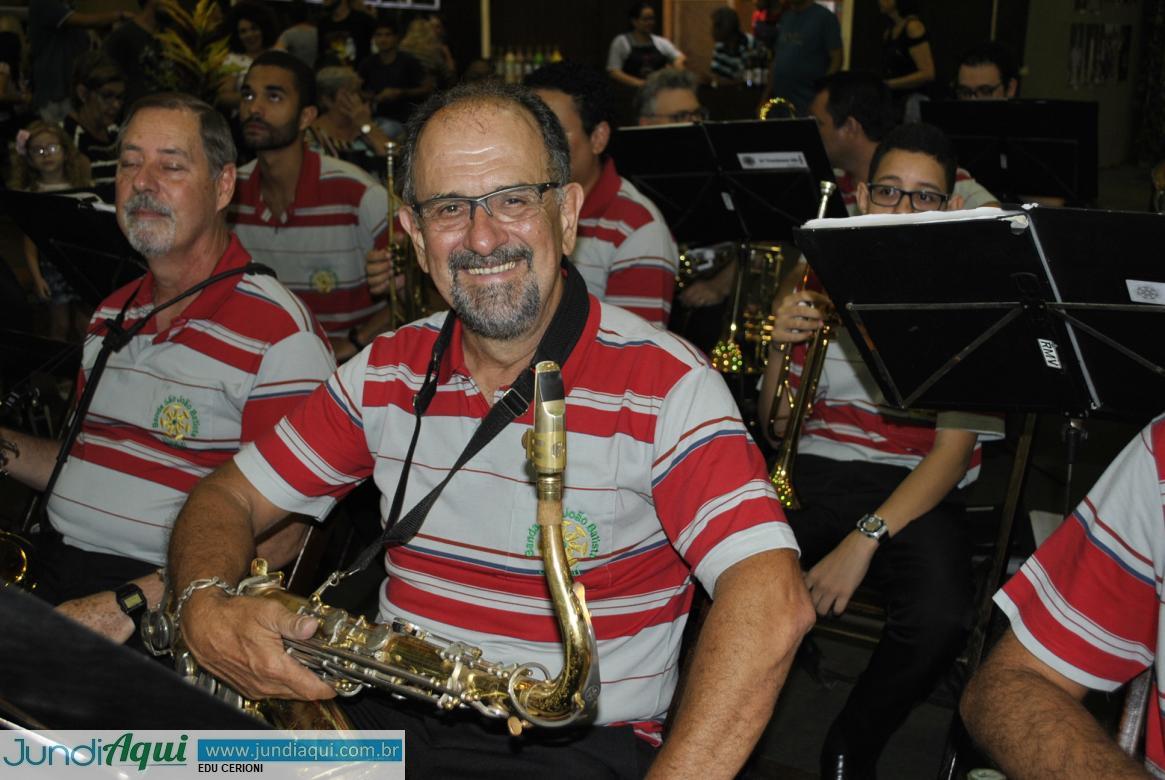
41	151
982	92
509	204
889	196
689	115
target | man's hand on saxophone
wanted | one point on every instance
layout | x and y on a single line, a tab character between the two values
236	638
239	639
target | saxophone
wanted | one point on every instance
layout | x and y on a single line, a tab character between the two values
406	660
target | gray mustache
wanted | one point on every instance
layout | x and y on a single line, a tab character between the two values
464	260
143	201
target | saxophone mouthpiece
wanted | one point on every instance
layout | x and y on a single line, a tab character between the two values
546	445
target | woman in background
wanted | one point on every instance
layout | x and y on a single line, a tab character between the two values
907	61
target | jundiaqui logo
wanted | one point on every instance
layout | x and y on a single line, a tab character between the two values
580	537
177	418
123	751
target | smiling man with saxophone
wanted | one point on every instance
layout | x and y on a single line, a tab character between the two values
875	482
663	484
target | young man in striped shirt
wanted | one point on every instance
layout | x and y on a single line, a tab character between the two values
1086	615
200	378
625	251
311	217
663	484
875	485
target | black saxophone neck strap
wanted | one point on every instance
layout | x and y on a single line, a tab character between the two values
566	326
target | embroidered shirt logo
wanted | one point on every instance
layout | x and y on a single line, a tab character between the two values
177	418
580	537
323	280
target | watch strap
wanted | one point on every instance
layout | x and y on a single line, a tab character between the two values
881	532
131	599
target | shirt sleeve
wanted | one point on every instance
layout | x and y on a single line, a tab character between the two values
668	48
618	52
710	484
290	371
642	277
1086	602
973	193
832	32
317	453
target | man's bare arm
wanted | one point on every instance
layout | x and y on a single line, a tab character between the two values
759	614
34	464
239	640
1029	719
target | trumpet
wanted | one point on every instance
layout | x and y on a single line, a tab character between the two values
800	405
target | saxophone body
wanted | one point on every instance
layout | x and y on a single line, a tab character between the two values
406	660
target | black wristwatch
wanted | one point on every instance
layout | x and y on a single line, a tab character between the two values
873	526
132	602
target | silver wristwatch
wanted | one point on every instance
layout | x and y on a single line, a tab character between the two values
874	527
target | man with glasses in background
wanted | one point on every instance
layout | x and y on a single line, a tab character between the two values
987	72
669	97
876	485
664	485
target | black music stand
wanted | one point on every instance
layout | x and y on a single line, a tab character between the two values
1019	148
59	675
1064	303
1032	310
81	238
718	181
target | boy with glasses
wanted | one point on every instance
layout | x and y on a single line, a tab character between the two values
876	485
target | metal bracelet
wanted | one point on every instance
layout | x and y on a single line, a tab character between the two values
208	582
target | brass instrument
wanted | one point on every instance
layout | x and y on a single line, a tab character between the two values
773	104
15	550
800	406
398	317
412	301
744	341
406	660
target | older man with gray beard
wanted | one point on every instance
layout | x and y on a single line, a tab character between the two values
206	351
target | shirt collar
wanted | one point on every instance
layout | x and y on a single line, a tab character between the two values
603	193
206	304
306	191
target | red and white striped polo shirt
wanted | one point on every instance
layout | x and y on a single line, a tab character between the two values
851	420
172	406
318	246
625	251
662	482
1088	603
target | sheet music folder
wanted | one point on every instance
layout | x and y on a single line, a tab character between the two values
1038	309
718	181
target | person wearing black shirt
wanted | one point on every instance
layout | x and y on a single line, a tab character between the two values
396	80
345	35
